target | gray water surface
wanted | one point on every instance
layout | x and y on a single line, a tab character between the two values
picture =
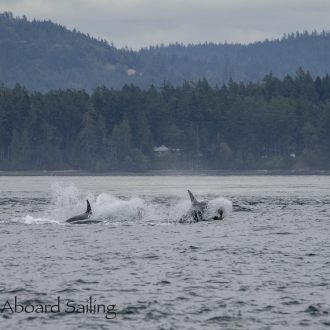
266	266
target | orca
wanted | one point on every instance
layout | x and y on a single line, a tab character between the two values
83	218
198	211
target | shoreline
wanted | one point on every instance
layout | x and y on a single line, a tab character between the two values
169	173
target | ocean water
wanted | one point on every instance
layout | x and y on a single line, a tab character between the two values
265	266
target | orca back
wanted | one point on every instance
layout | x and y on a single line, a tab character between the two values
79	217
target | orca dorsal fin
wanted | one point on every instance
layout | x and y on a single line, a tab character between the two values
89	209
192	198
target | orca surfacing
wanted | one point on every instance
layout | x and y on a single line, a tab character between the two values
83	218
197	211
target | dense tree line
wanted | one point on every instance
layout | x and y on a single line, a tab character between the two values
275	124
42	56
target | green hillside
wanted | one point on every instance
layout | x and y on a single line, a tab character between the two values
42	56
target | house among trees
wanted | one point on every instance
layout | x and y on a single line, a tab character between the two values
162	150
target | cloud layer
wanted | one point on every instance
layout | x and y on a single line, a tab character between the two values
139	23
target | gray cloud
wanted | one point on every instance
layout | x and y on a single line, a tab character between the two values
138	23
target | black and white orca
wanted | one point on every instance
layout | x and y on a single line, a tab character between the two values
198	211
83	218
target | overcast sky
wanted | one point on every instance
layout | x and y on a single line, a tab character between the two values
139	23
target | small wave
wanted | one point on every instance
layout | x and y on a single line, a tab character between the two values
312	310
81	281
241	208
223	319
132	310
17	290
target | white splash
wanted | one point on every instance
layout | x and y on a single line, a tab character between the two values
68	201
30	220
218	203
106	206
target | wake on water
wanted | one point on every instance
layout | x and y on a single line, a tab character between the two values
67	201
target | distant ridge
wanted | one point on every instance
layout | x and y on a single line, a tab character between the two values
42	55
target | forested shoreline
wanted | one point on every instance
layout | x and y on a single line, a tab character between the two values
274	124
